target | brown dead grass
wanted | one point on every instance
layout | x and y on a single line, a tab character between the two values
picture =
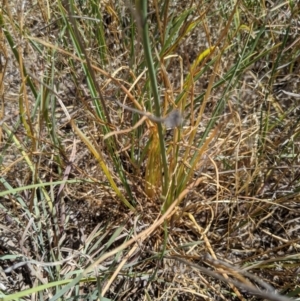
243	212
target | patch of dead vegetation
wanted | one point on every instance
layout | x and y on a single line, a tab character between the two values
244	212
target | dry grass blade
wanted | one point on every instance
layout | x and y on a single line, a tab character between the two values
269	295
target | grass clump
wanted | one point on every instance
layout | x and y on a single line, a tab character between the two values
99	201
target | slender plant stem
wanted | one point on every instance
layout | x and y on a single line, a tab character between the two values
141	17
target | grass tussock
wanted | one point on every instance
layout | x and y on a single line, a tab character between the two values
106	193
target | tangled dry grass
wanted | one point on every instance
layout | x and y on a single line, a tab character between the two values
83	211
